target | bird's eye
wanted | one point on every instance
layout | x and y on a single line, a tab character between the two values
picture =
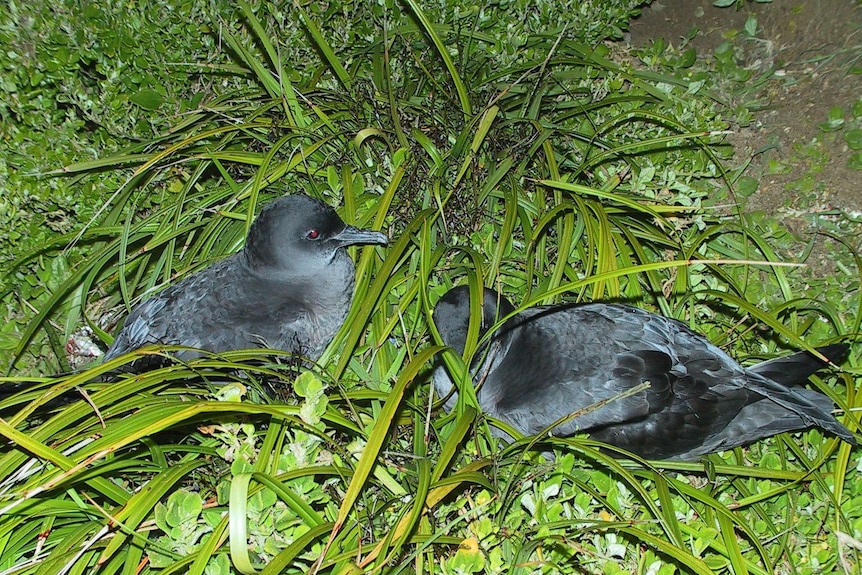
312	234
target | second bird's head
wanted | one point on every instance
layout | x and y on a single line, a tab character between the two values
452	314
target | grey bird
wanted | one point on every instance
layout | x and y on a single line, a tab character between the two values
289	288
548	362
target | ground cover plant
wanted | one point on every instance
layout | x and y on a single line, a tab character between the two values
494	145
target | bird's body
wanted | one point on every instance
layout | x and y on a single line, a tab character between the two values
289	288
548	362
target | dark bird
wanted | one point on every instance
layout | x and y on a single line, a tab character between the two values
548	362
289	288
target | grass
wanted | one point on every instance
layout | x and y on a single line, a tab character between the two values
554	173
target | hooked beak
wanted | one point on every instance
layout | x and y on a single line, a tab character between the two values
351	236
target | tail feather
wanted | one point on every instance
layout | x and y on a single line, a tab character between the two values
808	407
795	369
766	418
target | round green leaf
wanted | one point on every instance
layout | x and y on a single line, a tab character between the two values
854	138
147	99
747	186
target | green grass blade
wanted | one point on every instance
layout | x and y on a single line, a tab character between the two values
443	52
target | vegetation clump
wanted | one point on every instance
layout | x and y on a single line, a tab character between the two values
510	145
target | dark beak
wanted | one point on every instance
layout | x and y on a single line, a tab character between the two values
351	236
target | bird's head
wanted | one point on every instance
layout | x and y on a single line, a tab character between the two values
299	235
452	314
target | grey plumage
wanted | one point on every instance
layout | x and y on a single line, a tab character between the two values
289	288
550	361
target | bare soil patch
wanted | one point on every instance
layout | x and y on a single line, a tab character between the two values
812	45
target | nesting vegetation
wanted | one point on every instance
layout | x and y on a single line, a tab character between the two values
512	144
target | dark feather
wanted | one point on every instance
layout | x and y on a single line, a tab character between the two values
548	362
289	288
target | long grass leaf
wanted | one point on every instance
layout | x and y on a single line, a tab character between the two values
325	49
443	52
376	438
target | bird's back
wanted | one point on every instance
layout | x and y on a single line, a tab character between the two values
558	360
224	307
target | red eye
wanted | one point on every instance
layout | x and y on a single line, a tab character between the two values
313	234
